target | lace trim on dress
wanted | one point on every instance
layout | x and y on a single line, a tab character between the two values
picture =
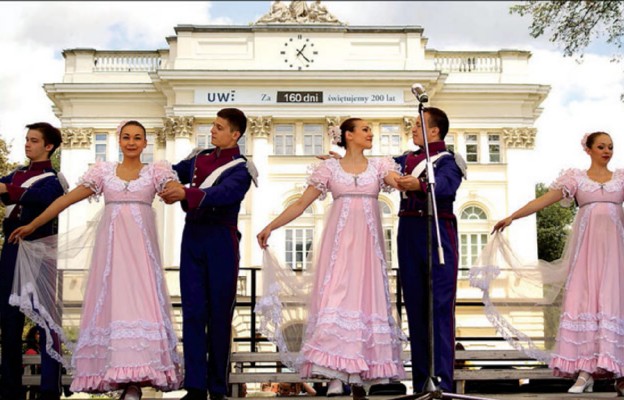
342	220
379	253
384	166
592	322
318	177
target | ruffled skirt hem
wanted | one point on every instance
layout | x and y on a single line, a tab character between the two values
117	378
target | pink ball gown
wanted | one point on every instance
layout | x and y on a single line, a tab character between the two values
126	332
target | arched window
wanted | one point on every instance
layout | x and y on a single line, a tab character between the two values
473	212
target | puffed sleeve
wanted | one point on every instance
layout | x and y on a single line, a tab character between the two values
319	176
162	172
94	178
384	166
568	184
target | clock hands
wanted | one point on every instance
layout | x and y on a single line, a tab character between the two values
300	53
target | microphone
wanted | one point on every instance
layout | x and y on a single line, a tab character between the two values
419	92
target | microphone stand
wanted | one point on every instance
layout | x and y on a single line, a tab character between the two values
431	389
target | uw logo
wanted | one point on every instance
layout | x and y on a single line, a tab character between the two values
221	97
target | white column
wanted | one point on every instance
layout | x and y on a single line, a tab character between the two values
261	202
522	233
178	135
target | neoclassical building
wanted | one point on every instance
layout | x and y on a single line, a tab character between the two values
295	72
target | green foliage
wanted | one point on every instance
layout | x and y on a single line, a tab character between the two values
575	24
6	167
553	226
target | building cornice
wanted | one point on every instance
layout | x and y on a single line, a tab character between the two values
300	77
298	28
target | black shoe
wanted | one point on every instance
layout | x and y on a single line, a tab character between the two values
195	394
217	396
49	396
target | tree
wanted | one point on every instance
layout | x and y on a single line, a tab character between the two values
575	23
553	226
6	167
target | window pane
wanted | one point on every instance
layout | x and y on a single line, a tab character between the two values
494	148
298	250
471	148
283	140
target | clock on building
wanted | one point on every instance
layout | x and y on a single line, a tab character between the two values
299	52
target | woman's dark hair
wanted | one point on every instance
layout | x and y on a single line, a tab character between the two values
31	339
133	123
592	138
347	125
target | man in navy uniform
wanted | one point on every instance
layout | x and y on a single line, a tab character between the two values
26	193
218	180
413	252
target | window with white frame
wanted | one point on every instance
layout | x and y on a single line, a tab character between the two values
472	213
203	136
298	247
390	139
472	238
284	139
449	140
101	146
494	147
312	139
472	148
147	157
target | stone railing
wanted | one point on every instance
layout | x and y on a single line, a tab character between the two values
130	61
447	61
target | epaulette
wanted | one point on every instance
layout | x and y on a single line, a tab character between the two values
461	163
253	171
193	153
63	181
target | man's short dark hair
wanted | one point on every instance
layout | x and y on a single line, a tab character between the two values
51	135
439	120
236	118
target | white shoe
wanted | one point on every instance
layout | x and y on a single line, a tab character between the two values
582	384
335	388
132	392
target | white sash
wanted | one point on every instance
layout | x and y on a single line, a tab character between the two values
28	183
420	167
212	178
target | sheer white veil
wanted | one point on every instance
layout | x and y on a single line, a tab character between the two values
283	308
38	281
512	288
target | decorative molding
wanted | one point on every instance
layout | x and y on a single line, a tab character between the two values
178	127
298	12
408	125
519	138
77	138
260	127
161	136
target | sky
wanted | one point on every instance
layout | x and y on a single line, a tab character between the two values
584	97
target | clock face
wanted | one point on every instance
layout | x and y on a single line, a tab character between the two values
299	53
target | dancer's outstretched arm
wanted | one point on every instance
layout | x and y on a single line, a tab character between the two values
548	198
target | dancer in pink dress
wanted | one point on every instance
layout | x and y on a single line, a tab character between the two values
590	340
350	333
126	335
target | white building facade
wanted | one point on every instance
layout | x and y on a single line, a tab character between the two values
293	79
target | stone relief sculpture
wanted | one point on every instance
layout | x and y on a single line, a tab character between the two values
280	12
298	12
318	12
